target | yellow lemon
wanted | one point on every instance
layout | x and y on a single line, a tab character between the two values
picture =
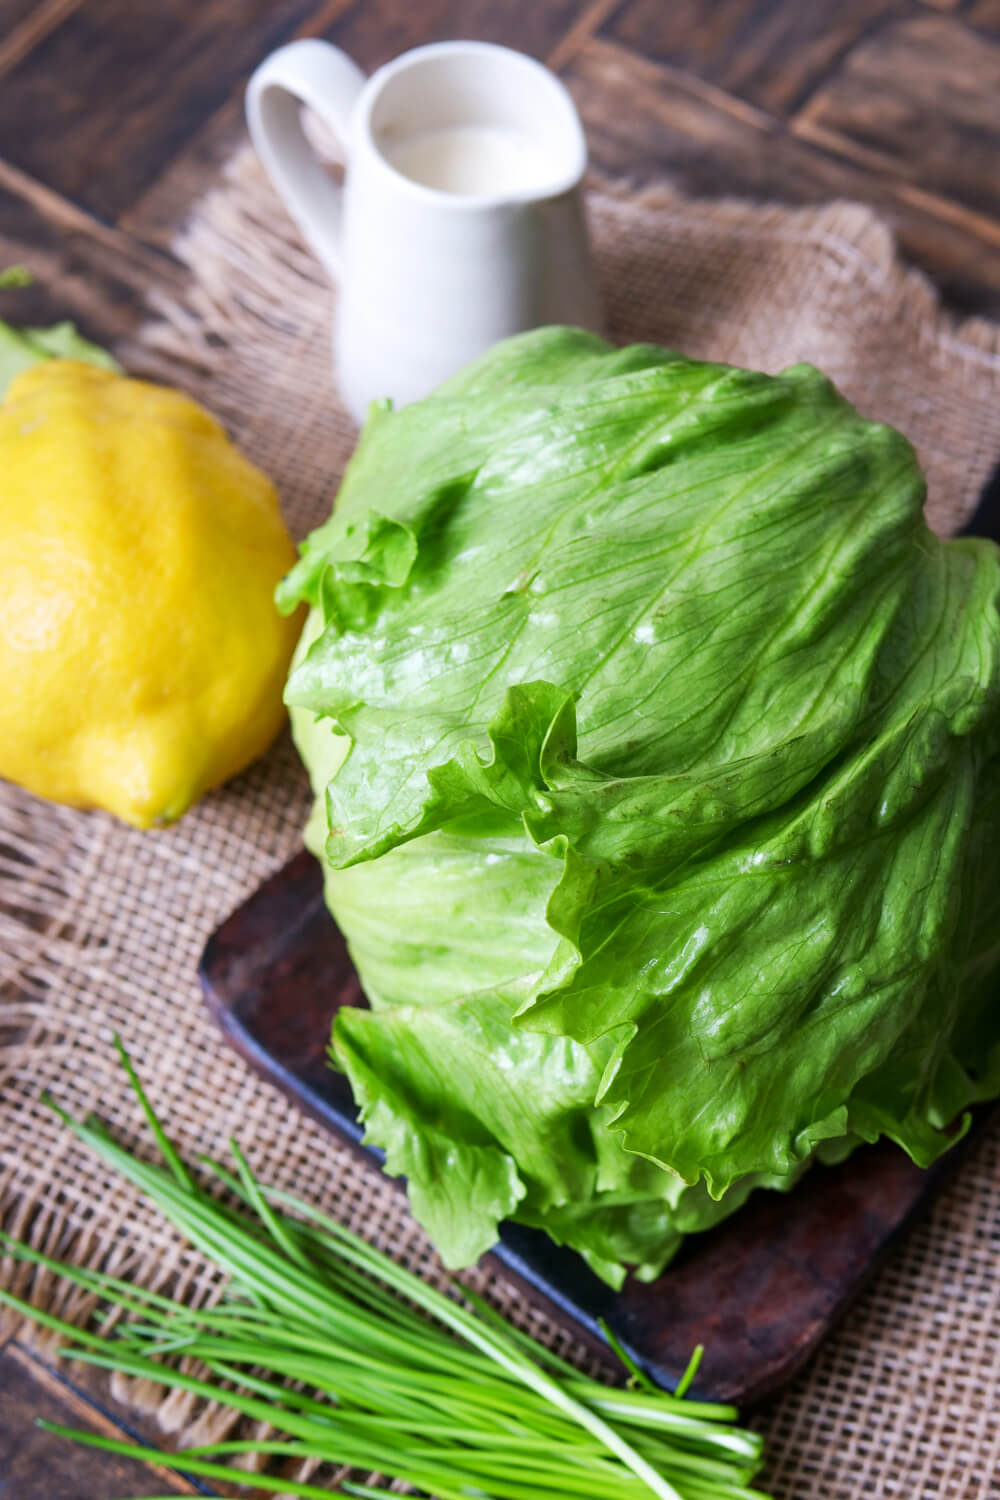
141	656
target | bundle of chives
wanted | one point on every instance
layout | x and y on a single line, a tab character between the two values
355	1361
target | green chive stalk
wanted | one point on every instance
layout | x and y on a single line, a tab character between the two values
353	1361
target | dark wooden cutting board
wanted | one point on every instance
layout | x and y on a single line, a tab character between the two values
759	1292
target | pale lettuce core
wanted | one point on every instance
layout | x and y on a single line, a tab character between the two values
655	744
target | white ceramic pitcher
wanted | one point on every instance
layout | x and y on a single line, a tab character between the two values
428	277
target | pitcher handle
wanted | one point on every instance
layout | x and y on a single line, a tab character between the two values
319	75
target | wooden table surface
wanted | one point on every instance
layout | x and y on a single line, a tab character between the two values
112	112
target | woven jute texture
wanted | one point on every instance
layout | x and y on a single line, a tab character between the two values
102	926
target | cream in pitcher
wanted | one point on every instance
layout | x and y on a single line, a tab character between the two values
473	160
460	220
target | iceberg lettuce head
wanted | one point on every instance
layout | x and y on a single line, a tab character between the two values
655	746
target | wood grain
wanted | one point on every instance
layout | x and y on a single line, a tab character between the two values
159	211
107	98
88	272
589	21
373	31
645	120
767	51
24	24
918	102
161	207
14	13
984	13
36	1466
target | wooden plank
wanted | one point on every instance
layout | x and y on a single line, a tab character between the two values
23	24
88	272
645	120
104	101
157	213
37	1466
14	13
373	31
587	24
918	101
88	1390
984	13
767	51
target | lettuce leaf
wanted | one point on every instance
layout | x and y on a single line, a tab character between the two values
20	348
665	798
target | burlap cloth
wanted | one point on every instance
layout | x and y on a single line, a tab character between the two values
102	926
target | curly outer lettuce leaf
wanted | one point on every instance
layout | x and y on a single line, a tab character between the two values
664	809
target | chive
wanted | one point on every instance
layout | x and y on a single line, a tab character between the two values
354	1361
684	1384
194	1465
279	1233
638	1376
166	1146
